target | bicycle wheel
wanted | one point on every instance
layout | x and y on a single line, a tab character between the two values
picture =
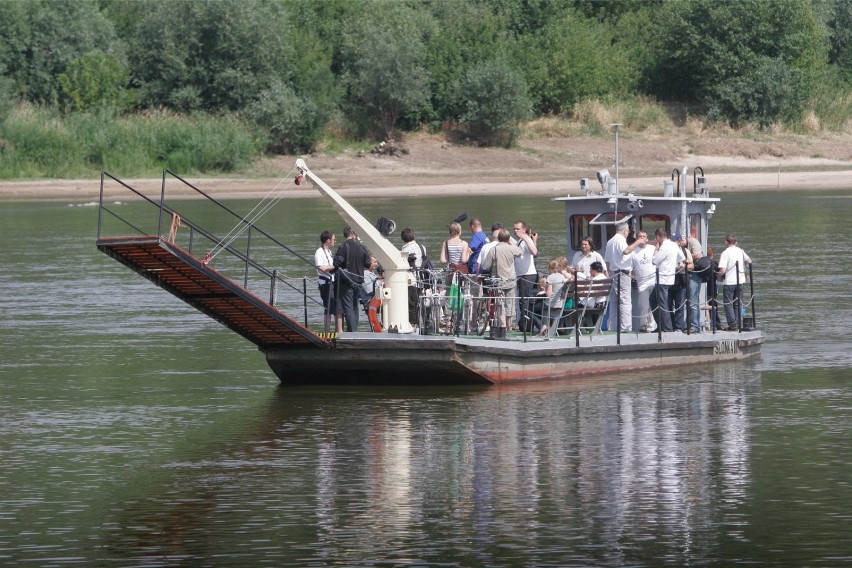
483	314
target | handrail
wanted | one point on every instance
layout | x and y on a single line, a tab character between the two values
195	226
244	257
240	217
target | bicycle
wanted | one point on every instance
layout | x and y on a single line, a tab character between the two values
486	313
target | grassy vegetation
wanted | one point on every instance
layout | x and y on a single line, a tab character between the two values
37	142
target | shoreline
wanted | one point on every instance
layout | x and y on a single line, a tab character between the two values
430	166
397	186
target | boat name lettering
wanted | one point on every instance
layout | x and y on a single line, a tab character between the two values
727	346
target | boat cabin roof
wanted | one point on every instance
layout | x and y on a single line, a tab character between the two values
595	215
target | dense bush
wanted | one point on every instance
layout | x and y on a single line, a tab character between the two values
294	124
493	99
385	64
728	53
213	56
579	60
94	81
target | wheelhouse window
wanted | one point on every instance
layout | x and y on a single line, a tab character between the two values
650	223
579	228
695	226
608	221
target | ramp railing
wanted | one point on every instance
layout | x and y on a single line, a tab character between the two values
229	242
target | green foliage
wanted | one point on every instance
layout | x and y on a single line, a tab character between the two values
764	96
832	102
710	47
303	72
199	55
293	123
839	24
385	69
39	39
39	143
493	100
7	98
574	59
94	81
467	33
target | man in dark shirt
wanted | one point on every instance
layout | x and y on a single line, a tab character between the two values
349	262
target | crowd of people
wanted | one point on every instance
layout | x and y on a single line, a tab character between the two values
664	276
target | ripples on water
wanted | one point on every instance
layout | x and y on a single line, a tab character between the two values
137	432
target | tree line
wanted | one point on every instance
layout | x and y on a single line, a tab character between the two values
296	70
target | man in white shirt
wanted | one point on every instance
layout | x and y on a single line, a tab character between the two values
645	276
323	261
667	255
619	257
525	239
732	271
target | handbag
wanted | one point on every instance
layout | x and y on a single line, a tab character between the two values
459	267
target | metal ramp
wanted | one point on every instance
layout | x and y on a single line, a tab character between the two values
207	289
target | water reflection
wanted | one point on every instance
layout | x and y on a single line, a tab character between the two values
603	471
137	432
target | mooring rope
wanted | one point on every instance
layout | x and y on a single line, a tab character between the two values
250	219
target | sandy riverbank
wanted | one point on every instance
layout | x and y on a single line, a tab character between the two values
547	167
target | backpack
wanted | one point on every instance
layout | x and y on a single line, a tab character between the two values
704	266
425	261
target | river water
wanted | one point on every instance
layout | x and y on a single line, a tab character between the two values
137	432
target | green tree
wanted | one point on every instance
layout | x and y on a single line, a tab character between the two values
39	39
710	46
493	100
94	81
839	23
467	33
293	122
763	96
7	97
198	55
574	58
385	71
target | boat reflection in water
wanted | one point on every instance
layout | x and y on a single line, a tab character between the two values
596	469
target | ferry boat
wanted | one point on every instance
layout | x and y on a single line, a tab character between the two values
231	284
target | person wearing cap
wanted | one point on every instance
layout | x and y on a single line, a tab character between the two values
667	255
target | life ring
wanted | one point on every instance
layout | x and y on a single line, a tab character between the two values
374	305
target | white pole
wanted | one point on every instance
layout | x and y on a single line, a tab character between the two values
616	125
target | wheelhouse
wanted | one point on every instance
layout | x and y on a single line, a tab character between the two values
596	214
